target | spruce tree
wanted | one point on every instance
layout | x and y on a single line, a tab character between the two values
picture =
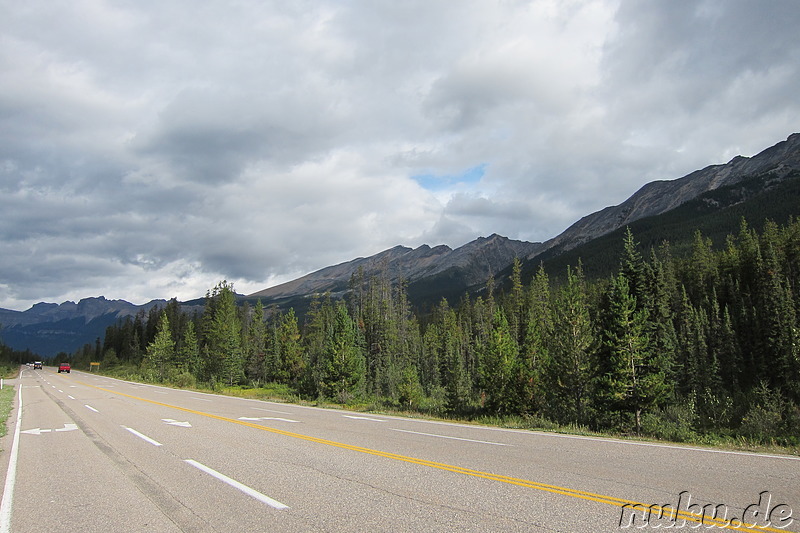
498	364
571	349
634	381
292	360
161	352
344	368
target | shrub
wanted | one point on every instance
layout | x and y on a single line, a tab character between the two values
185	380
761	423
674	423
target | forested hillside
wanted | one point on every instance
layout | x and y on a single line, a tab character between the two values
667	347
758	198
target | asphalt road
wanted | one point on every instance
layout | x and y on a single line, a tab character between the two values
96	454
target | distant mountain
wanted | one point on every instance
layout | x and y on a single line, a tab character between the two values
48	329
463	267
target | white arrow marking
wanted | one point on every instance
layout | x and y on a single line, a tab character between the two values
39	431
363	418
172	422
267	418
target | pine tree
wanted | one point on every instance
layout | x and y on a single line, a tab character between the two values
344	369
498	362
659	287
633	381
188	354
515	304
256	344
534	356
223	339
778	319
292	361
631	264
161	352
571	349
317	330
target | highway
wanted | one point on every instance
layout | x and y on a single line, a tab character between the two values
95	454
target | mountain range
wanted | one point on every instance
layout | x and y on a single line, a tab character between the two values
705	198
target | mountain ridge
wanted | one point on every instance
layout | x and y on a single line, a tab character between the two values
660	196
409	264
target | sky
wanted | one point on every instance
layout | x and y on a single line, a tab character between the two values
152	149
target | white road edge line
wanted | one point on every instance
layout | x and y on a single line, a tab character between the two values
11	476
143	437
453	438
233	483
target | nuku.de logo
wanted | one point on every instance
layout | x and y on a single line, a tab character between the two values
686	514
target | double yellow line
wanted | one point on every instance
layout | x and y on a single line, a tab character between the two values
632	506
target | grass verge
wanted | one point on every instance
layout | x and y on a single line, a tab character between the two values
6	401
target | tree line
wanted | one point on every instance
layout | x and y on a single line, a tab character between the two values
669	347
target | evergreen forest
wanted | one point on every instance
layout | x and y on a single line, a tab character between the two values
701	346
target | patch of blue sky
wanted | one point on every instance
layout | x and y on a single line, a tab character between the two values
438	182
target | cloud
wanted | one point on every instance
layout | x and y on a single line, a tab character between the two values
151	149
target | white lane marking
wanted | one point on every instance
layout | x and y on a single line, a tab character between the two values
172	422
143	437
363	418
59	390
201	399
11	475
233	483
70	397
268	418
271	411
160	392
453	438
89	407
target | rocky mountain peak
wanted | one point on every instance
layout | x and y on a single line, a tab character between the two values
661	196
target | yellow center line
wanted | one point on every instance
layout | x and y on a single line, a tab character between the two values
633	506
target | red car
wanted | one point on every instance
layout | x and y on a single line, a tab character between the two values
63	367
